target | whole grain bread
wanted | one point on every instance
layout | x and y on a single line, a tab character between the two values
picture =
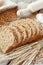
8	16
19	33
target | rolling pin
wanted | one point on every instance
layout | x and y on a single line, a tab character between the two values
31	8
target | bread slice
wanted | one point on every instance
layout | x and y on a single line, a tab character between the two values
24	33
37	25
28	29
7	39
33	28
26	23
21	28
18	33
34	24
33	31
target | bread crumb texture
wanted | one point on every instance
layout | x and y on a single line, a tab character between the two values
8	16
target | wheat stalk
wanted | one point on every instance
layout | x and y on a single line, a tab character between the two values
23	53
23	57
29	55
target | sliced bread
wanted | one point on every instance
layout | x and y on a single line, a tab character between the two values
7	38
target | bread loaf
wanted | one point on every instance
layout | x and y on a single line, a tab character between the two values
8	11
19	33
8	16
